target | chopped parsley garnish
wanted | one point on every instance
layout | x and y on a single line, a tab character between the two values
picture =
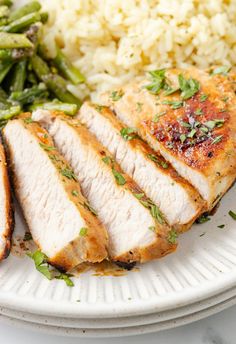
75	193
170	145
175	104
139	107
157	116
217	139
169	90
203	218
185	124
223	70
128	133
116	95
214	123
99	108
46	147
225	99
27	236
83	231
183	137
192	133
221	226
152	228
139	195
232	214
41	264
204	130
87	206
155	159
172	237
203	97
155	212
28	120
198	112
201	235
118	176
68	173
157	81
189	87
107	160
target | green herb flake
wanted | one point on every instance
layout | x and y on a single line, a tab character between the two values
183	137
155	159
221	226
107	160
99	108
46	147
28	120
175	104
128	133
198	112
223	70
232	214
139	195
170	90
172	237
157	81
192	133
203	97
68	173
118	176
152	228
188	87
202	219
157	116
217	139
201	235
214	123
83	231
156	213
225	99
75	193
116	95
87	206
66	278
185	124
27	236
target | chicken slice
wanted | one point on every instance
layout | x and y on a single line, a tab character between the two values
6	208
59	217
136	228
193	128
176	198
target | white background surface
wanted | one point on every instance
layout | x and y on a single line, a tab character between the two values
218	329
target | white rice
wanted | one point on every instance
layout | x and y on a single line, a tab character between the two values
112	41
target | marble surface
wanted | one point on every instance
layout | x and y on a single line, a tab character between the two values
218	329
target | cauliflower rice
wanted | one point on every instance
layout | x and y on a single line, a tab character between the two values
113	41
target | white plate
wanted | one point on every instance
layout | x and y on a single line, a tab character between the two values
119	332
134	321
203	266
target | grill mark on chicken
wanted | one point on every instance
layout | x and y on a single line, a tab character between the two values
126	219
44	184
157	178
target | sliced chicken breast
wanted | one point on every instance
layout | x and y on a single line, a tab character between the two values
176	198
189	117
60	219
136	228
6	208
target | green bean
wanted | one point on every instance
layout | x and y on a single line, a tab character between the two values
39	66
68	109
22	23
12	41
67	69
18	77
9	113
31	7
30	95
13	55
4	69
57	85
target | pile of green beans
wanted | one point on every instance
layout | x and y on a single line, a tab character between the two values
28	78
